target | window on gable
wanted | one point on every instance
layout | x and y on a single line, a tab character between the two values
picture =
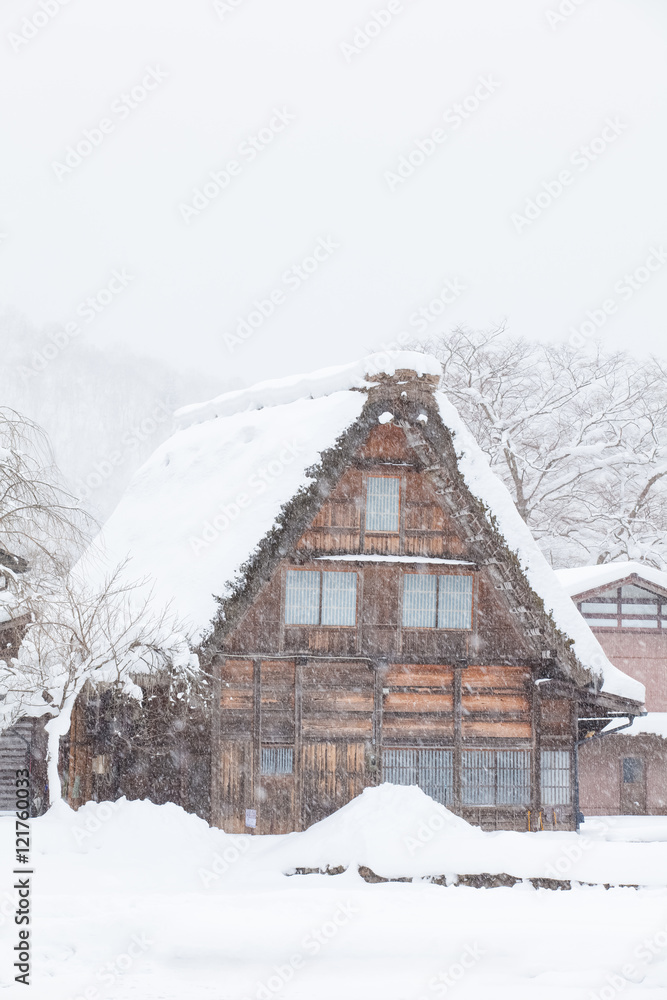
339	598
431	601
382	503
313	598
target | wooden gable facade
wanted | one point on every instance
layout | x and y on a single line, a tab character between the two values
384	632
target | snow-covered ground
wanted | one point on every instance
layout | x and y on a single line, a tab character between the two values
134	900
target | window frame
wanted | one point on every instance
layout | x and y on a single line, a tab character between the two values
268	748
619	617
320	572
499	769
383	531
437	627
552	766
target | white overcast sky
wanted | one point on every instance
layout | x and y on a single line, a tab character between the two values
324	176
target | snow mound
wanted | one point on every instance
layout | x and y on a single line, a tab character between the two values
146	844
384	828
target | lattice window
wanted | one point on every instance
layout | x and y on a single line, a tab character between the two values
555	777
302	598
313	598
382	503
432	770
277	760
431	601
455	602
339	598
420	600
495	777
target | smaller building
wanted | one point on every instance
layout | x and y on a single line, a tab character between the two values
625	604
23	746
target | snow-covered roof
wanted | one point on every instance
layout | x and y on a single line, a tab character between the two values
200	506
580	579
653	723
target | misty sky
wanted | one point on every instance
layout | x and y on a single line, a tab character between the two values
116	112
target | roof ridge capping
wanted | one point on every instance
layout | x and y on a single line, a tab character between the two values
384	369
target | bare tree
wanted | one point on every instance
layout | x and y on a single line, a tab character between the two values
79	635
578	439
36	512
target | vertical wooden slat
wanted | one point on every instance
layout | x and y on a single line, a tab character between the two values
458	685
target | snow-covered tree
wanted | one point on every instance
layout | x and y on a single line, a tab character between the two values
579	439
78	635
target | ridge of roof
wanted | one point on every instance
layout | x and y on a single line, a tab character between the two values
323	382
577	580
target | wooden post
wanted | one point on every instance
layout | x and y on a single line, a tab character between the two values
299	664
217	665
256	737
379	675
535	761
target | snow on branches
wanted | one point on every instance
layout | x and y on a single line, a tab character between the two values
79	635
580	442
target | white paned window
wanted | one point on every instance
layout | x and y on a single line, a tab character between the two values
632	606
555	777
339	598
431	601
495	777
419	600
338	603
455	602
432	770
302	598
382	503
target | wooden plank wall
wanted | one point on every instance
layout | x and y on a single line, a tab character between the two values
337	716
